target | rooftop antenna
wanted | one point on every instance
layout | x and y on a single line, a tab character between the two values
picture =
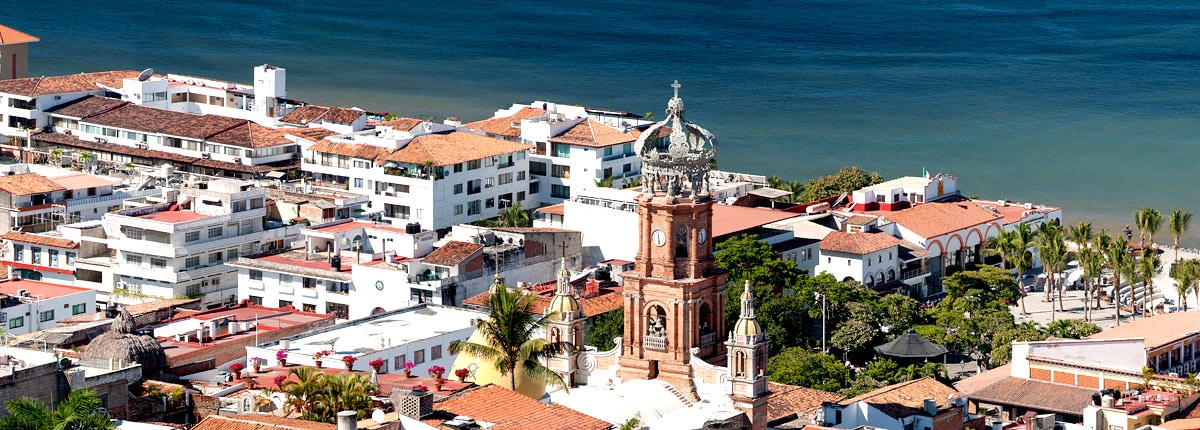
145	75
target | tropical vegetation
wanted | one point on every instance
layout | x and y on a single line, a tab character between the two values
318	396
80	410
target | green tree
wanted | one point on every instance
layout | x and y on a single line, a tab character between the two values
605	182
772	281
900	311
515	216
1178	224
317	396
1147	268
988	286
512	339
1081	235
1148	220
1185	274
1071	329
79	411
1053	253
1092	262
1116	259
858	332
1009	245
795	189
1027	331
845	180
797	366
604	328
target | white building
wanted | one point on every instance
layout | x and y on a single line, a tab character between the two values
40	257
574	147
875	259
904	192
424	176
27	306
420	334
178	247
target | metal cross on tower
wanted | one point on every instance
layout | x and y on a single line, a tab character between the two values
676	87
564	249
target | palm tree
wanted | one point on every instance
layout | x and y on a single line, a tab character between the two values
605	182
1147	269
1081	235
512	339
1116	257
1185	276
319	397
1091	261
795	188
86	158
1008	245
515	216
1053	253
79	411
56	155
1148	220
775	182
304	392
1178	223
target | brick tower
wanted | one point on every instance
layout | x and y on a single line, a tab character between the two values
673	297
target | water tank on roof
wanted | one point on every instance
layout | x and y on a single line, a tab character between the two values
166	170
336	263
412	228
602	274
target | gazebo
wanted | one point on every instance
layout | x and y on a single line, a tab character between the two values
122	344
910	346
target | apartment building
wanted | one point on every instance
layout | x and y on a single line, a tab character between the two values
575	148
27	306
179	247
14	48
23	102
430	175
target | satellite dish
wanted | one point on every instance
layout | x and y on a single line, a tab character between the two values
145	75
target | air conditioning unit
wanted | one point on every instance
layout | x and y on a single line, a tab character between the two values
204	284
205	155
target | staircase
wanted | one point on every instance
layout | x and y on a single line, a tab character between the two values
679	395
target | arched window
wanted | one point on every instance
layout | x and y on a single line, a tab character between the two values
870	279
891	274
681	242
656	322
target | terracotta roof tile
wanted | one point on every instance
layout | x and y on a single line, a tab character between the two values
353	150
608	300
28	183
251	135
174	123
906	398
304	114
860	220
87	106
1037	395
593	134
10	36
445	149
343	115
790	399
38	239
732	219
79	83
403	124
258	422
938	218
310	134
74	142
510	410
452	253
552	209
857	243
503	126
81	181
974	383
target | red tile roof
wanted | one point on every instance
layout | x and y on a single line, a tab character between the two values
343	115
169	122
974	383
42	290
857	243
38	239
452	253
1014	213
732	219
907	398
258	422
404	124
504	126
1036	395
352	150
251	135
10	36
790	399
511	410
87	106
860	220
608	300
28	183
593	134
454	147
80	83
304	114
938	218
552	209
310	134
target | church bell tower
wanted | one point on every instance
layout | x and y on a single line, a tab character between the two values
565	323
674	297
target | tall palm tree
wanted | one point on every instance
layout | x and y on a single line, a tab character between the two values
1147	269
1154	221
1092	263
303	394
79	411
1178	223
511	339
515	216
1008	244
1053	254
1148	220
1081	235
795	190
1185	276
1117	258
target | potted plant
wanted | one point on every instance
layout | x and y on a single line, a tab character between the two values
279	380
251	383
437	371
319	355
281	357
462	374
257	363
408	367
237	368
349	360
376	364
420	388
437	383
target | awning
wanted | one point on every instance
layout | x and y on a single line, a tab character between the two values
770	193
275	174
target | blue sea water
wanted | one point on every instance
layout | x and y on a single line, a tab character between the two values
1089	105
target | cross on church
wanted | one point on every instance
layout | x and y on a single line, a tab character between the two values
564	247
676	87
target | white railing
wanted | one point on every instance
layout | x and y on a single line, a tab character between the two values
120	195
656	343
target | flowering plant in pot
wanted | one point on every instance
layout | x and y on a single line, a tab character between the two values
420	388
279	379
408	367
376	364
319	355
257	363
437	371
349	360
237	368
281	357
462	374
438	382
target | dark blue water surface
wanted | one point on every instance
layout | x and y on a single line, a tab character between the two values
1090	105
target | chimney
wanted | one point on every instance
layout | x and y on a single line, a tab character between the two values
412	404
931	407
347	420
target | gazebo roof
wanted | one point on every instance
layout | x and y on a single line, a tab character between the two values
910	345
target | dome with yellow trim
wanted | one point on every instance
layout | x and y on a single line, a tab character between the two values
485	371
747	324
563	304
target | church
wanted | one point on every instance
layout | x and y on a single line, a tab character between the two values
677	364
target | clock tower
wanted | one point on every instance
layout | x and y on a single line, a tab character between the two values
674	297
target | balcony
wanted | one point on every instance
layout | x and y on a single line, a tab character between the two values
655	343
707	339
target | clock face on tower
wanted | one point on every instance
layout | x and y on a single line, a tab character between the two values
659	237
702	235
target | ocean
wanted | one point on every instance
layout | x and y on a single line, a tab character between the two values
1093	106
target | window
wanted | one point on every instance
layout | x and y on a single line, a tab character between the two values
19	251
489	162
560	191
193	290
358	183
309	307
560	171
285	278
489	203
474	187
338	310
192	262
520	196
473	164
255	299
487	182
401	188
214	258
16	322
133	259
70	258
458	188
435	352
399	361
458	167
255	275
504	178
46	316
562	151
78	309
535	187
421	296
37	254
215	232
54	258
628	148
134	234
537	168
419	356
285	303
628	167
608	150
158	263
521	175
191	236
473	208
308	283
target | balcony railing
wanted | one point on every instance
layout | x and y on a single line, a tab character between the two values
909	274
708	339
656	343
